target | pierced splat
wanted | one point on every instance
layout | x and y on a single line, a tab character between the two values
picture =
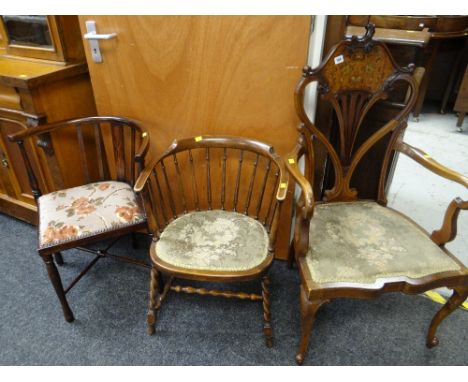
350	108
355	75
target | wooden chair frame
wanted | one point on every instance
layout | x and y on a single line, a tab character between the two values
154	201
313	295
124	172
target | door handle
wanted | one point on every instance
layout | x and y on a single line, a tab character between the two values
93	37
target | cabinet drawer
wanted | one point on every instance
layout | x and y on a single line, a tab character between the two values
9	98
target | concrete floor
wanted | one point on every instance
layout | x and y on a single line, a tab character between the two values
424	196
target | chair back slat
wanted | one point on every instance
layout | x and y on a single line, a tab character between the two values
83	156
262	191
251	184
169	193
179	182
99	148
223	179
244	173
239	171
271	205
29	169
162	204
208	178
194	181
118	144
101	162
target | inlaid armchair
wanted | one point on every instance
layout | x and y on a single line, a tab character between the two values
99	203
348	247
213	206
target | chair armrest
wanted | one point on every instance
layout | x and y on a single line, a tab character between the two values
304	206
448	230
306	188
283	182
143	177
426	160
36	130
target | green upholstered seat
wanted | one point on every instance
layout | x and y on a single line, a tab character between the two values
360	242
214	240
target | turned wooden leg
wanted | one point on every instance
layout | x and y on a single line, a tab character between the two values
153	305
58	258
308	311
267	329
461	118
458	297
57	283
291	255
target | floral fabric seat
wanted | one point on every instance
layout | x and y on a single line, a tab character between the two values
359	242
214	240
85	211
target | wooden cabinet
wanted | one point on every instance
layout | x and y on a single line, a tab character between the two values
43	79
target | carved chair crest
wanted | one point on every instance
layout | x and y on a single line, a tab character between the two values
357	73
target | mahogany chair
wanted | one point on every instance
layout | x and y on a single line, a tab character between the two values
100	204
213	205
348	247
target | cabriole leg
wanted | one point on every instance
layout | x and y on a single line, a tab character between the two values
267	329
458	297
308	312
151	316
57	284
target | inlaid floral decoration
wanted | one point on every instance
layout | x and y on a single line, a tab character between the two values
86	210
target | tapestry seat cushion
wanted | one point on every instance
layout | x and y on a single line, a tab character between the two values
214	240
360	242
85	211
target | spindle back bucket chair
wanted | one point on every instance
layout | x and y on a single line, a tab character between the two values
77	209
213	206
347	247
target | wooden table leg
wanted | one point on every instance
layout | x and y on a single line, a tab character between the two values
425	81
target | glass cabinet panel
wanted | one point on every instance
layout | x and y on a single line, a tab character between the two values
32	31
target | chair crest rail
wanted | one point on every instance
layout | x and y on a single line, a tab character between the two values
354	76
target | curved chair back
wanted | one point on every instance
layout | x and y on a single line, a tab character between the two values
97	149
207	173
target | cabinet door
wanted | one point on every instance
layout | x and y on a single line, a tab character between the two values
15	192
185	76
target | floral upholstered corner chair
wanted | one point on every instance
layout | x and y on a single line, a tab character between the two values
111	152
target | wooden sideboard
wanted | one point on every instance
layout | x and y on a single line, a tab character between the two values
39	84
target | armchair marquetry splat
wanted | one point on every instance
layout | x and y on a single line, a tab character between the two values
347	247
101	204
